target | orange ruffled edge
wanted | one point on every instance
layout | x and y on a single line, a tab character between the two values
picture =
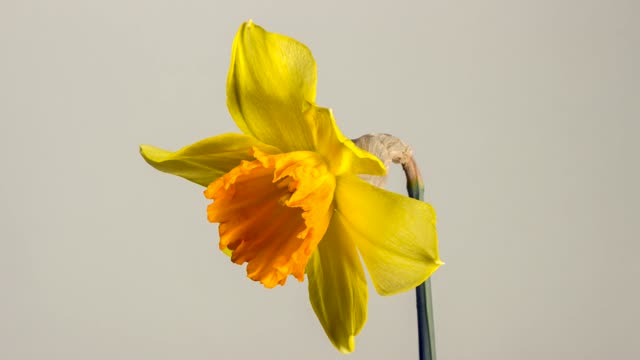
273	212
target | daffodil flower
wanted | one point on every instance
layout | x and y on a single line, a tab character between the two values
287	195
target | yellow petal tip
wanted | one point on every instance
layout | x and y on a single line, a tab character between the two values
351	346
150	153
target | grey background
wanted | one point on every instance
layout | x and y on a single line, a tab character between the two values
523	115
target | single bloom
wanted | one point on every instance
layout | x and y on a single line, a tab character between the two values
287	195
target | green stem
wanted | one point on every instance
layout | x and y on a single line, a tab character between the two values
424	302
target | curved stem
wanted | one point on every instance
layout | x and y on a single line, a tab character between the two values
424	303
391	149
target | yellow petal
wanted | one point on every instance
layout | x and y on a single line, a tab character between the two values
337	286
271	80
342	155
206	160
395	235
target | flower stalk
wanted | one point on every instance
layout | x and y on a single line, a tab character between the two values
424	302
391	149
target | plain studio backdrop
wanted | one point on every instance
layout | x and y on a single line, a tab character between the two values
523	116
